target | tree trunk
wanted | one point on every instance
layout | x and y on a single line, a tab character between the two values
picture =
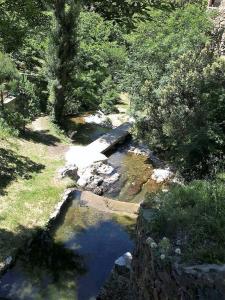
2	100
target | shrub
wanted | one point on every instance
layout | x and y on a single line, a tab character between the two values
193	217
6	131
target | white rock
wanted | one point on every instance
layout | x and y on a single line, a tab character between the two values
105	169
112	179
132	120
8	260
98	118
68	170
140	150
161	175
95	181
125	260
82	182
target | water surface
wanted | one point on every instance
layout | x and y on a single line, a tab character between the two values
83	133
74	264
135	181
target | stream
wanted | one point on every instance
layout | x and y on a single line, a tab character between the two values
80	251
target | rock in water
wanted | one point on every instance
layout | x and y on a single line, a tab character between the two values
124	261
161	175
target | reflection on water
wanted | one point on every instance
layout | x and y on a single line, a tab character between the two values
135	181
99	240
74	264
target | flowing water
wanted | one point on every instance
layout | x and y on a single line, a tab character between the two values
80	251
135	170
135	181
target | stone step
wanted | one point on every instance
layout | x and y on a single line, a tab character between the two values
88	199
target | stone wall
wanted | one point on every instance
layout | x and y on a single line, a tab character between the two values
10	103
156	276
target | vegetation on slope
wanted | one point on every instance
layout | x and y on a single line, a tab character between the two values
192	217
176	83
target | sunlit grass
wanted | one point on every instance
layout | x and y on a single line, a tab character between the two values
27	203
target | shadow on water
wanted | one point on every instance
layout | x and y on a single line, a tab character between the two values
83	133
100	246
45	269
99	240
71	262
13	166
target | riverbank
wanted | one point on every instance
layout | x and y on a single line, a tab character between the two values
29	187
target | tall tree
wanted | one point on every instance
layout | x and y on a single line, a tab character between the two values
62	54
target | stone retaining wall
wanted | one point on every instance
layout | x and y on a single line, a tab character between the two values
66	198
154	276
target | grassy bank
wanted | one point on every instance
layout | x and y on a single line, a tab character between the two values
29	187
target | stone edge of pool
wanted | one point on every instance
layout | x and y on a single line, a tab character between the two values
86	199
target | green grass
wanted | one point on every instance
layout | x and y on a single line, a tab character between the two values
30	188
194	215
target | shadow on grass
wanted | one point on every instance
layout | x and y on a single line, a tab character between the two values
13	166
41	137
44	269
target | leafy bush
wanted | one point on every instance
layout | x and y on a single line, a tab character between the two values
193	217
6	131
27	104
177	82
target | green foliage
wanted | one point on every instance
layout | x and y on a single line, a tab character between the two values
62	55
8	73
129	12
6	131
177	87
101	57
19	19
192	217
27	104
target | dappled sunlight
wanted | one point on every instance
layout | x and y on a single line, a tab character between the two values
14	166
